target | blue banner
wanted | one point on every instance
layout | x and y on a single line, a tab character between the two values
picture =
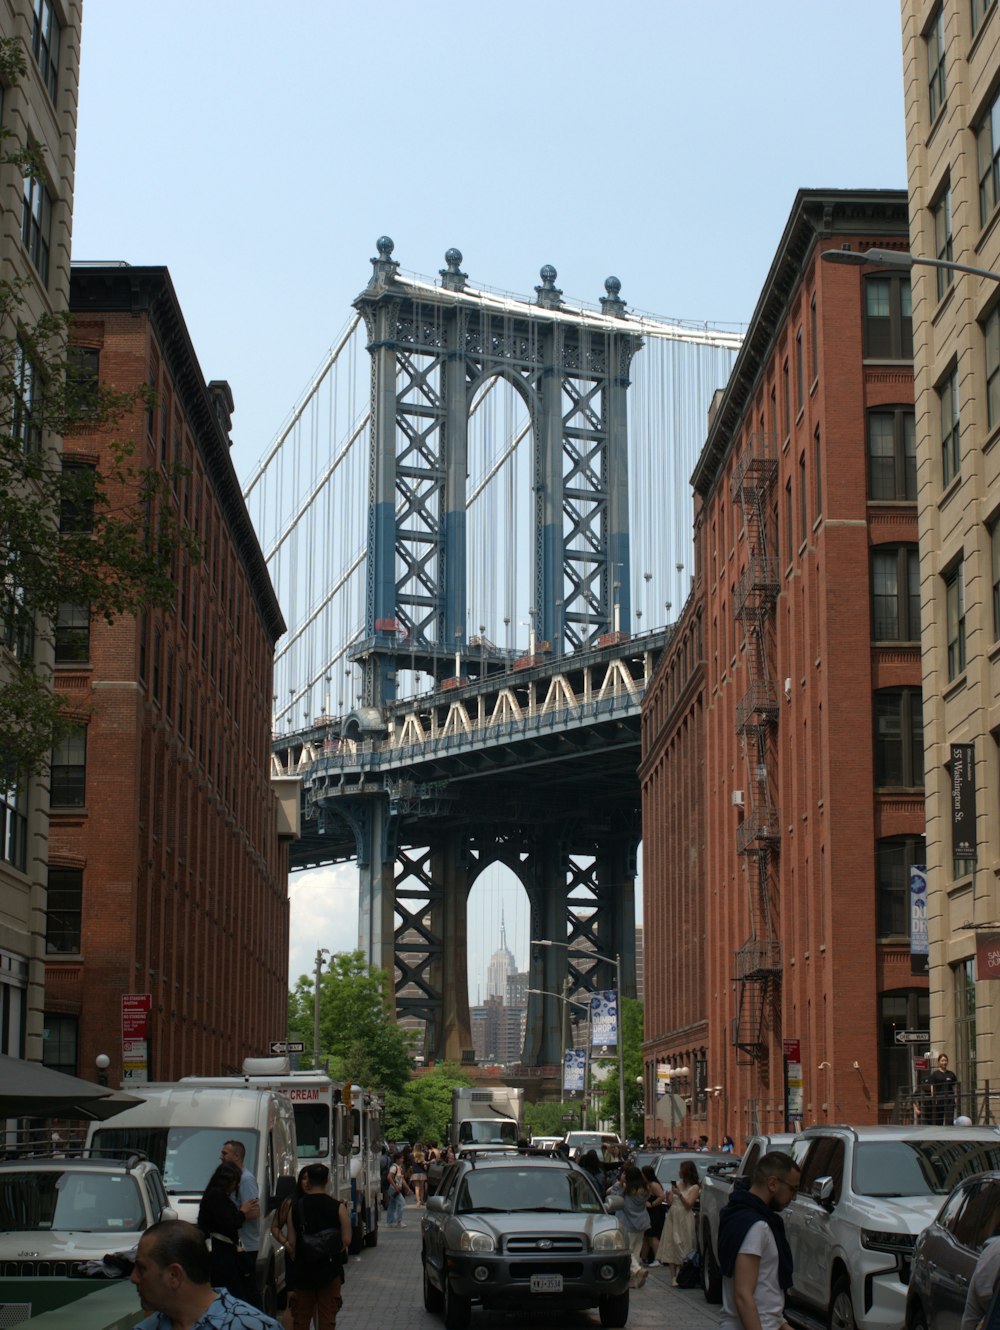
604	1019
574	1070
918	910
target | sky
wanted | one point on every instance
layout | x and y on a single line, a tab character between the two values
259	150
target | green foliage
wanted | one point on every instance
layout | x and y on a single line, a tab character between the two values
421	1111
118	552
546	1118
608	1098
358	1036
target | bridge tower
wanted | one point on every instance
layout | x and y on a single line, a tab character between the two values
433	348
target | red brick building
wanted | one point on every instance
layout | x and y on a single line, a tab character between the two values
807	587
167	873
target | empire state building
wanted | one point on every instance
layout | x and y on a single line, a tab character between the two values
500	968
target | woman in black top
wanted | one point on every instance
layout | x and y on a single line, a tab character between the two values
220	1219
318	1278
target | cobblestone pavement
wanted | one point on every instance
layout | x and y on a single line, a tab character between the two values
383	1292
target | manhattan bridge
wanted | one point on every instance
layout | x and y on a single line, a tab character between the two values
477	521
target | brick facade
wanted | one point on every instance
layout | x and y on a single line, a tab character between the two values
184	879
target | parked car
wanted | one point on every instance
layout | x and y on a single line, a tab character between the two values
947	1251
528	1233
56	1214
864	1196
668	1164
579	1142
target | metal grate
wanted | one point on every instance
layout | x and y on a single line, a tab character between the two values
523	1243
14	1313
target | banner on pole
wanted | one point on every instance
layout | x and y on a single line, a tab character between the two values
918	910
604	1019
963	801
574	1069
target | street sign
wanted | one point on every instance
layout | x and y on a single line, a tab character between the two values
569	1117
671	1110
286	1046
913	1036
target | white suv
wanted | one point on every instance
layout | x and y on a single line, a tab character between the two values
56	1214
865	1195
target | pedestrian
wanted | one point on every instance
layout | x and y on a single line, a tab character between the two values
247	1199
678	1229
418	1174
283	1232
754	1255
397	1192
982	1285
590	1163
728	1144
703	1145
657	1207
944	1086
171	1273
220	1221
322	1233
384	1163
634	1220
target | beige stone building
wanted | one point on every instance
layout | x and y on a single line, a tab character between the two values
951	63
40	109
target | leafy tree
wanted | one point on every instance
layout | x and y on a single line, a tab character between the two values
357	1033
546	1118
421	1111
608	1098
83	536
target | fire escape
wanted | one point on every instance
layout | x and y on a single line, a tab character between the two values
758	960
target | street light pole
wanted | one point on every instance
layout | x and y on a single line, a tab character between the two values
616	961
323	951
584	1006
903	259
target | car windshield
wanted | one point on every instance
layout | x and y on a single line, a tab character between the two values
65	1201
668	1166
488	1132
514	1189
186	1156
920	1167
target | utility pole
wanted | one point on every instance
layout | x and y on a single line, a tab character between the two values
319	973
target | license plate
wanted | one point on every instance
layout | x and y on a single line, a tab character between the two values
546	1283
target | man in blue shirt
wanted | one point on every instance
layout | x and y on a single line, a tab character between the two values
246	1199
171	1274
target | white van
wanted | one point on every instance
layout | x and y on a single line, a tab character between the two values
183	1129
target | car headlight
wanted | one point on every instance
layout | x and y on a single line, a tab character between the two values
471	1240
612	1239
900	1244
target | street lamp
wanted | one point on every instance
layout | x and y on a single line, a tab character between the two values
616	961
584	1006
323	951
103	1062
895	258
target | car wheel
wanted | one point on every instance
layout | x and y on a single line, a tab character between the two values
841	1315
433	1297
614	1309
711	1276
918	1321
457	1310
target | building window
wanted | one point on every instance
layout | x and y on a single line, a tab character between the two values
17	626
894	857
899	738
69	770
936	52
965	1022
36	225
991	338
817	473
156	664
954	584
896	593
814	339
789	519
888	318
988	160
13	815
64	911
83	379
943	244
900	1009
799	372
892	454
27	402
803	499
76	508
951	456
72	634
60	1039
994	530
787	399
979	8
45	45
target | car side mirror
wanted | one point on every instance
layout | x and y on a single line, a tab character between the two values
614	1203
435	1205
822	1191
168	1212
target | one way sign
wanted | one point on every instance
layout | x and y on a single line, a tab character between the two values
286	1046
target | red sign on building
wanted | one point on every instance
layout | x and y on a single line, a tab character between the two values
988	956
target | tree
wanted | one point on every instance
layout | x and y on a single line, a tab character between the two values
421	1111
357	1033
104	538
610	1106
546	1118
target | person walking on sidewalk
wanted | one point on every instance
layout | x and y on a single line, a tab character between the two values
634	1219
754	1255
397	1192
321	1231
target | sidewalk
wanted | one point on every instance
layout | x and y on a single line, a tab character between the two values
383	1289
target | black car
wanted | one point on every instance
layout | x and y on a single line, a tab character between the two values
522	1232
946	1253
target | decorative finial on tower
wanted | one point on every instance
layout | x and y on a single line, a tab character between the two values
452	277
549	295
503	931
611	305
384	267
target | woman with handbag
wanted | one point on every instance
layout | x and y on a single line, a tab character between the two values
320	1229
220	1220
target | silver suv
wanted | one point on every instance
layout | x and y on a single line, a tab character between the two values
865	1195
56	1214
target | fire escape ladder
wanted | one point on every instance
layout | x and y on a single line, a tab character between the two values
758	960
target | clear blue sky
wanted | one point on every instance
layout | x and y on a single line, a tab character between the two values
258	150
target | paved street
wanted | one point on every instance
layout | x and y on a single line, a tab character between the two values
383	1290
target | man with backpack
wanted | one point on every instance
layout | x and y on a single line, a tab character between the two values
321	1229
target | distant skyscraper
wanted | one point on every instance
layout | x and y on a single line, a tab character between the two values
501	966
